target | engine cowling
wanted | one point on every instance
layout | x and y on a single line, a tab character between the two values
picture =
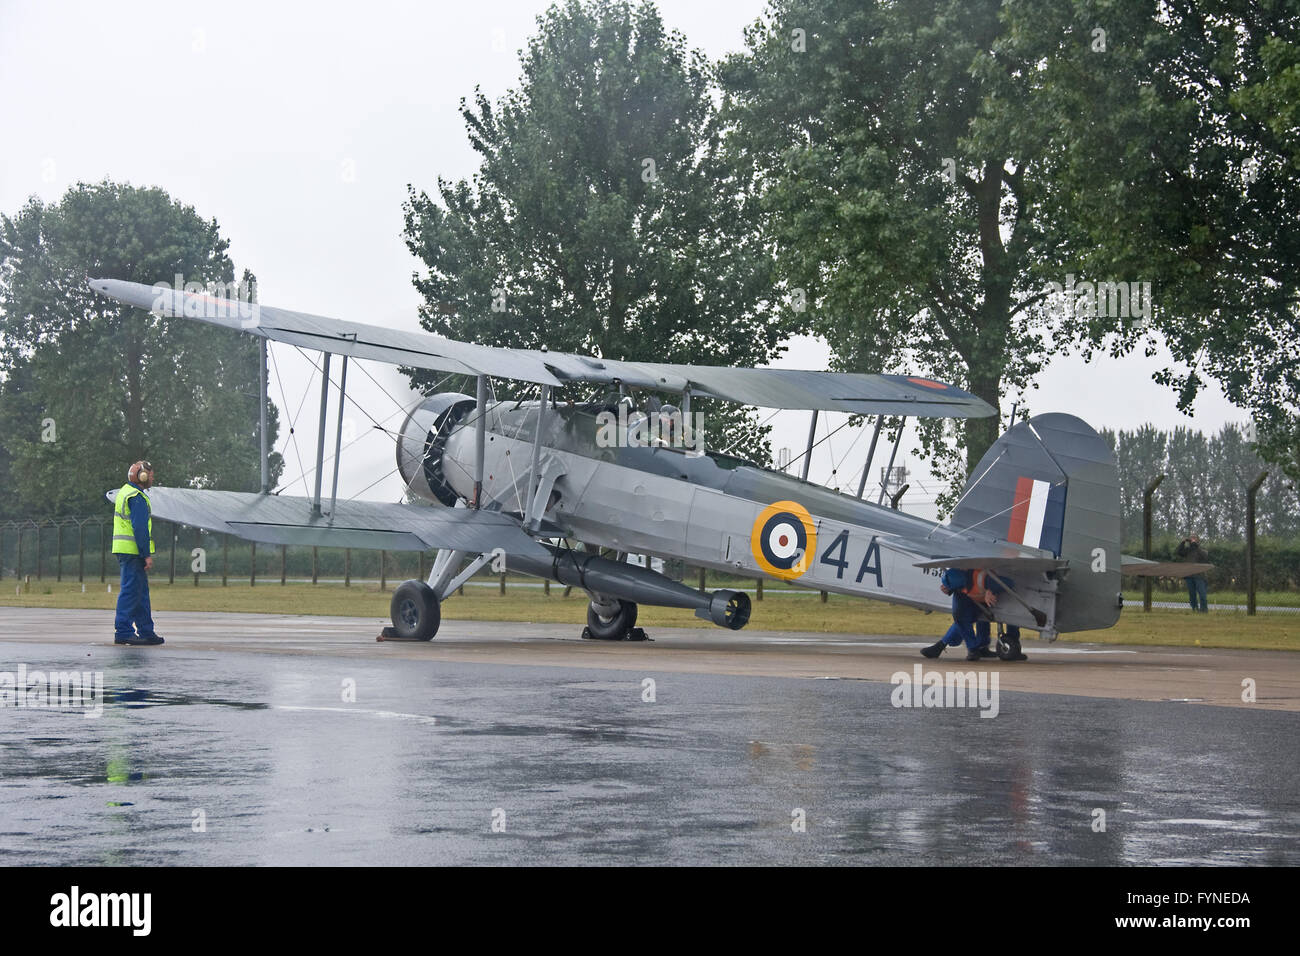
422	440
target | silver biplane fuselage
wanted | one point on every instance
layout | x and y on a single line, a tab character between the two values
707	509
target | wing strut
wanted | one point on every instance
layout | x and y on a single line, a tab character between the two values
535	474
480	437
871	454
320	436
338	438
884	482
807	455
261	418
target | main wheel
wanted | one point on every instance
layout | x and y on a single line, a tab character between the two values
415	612
611	627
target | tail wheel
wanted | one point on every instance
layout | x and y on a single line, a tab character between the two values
415	612
605	626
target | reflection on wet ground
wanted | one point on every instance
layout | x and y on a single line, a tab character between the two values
232	757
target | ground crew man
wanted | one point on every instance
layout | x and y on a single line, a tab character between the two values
133	546
965	613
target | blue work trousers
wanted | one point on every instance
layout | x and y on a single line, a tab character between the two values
133	612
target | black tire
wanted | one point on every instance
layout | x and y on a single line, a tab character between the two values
414	611
612	628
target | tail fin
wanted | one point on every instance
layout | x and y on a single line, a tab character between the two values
1051	483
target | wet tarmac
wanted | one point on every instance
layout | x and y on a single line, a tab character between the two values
235	756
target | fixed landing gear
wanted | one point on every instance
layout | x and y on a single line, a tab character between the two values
613	620
415	613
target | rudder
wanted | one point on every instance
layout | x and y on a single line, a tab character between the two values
1051	483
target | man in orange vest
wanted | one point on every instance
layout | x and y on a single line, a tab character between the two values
966	614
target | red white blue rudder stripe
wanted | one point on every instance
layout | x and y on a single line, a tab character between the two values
1038	514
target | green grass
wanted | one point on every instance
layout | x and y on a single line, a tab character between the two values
781	609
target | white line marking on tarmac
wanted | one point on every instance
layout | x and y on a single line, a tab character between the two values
387	714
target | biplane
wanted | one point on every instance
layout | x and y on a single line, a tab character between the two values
623	473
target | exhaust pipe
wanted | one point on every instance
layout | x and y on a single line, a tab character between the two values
629	582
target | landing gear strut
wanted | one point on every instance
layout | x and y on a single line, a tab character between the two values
415	613
613	620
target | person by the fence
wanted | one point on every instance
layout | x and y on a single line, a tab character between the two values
1197	589
133	547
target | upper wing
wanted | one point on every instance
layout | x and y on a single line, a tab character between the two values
770	388
1142	568
279	519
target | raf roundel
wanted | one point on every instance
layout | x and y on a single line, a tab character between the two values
784	539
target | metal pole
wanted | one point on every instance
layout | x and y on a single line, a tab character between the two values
261	419
383	570
338	437
902	422
807	455
347	567
315	566
225	558
871	454
1251	491
171	575
18	564
252	566
38	552
103	552
1146	537
480	437
58	546
81	551
320	434
284	552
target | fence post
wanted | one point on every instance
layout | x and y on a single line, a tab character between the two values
546	587
424	575
284	551
383	570
171	574
1146	537
225	558
702	586
315	563
1251	491
103	552
758	596
347	567
198	546
503	582
58	546
18	562
81	551
38	552
252	565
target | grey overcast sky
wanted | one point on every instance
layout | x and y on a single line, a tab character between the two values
298	127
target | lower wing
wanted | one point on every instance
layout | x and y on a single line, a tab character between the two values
279	519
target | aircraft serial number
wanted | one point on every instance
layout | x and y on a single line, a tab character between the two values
837	556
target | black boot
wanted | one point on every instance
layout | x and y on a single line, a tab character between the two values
934	650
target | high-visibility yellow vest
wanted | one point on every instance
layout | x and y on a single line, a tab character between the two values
123	532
